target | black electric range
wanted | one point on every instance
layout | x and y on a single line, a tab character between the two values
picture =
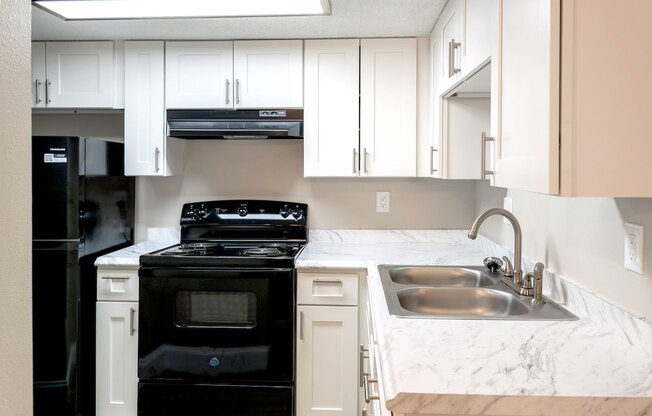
217	312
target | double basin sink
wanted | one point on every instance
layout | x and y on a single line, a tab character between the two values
459	292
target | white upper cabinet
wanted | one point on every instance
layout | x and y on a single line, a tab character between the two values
268	74
331	110
450	25
480	33
199	75
73	74
388	98
241	74
38	74
148	150
528	148
567	117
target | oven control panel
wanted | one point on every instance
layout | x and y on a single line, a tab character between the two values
244	212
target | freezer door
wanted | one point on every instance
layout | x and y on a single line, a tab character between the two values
55	188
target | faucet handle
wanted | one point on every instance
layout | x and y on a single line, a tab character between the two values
538	284
509	269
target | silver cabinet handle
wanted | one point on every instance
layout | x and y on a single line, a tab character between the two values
132	319
37	87
157	154
237	91
368	397
228	85
432	159
301	326
355	160
484	172
452	45
47	91
364	160
363	355
332	281
116	277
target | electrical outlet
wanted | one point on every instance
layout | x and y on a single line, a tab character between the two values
634	247
382	201
507	205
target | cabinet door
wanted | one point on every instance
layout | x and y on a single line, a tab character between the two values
450	23
388	114
331	113
480	29
144	118
116	358
528	143
79	74
268	74
327	366
435	169
38	74
199	74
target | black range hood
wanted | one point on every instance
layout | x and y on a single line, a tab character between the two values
235	124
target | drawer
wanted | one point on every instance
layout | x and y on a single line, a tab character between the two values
327	289
115	284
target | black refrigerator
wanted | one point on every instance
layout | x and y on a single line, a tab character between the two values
82	207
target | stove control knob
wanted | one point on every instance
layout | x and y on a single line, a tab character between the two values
284	211
200	212
190	213
242	210
297	213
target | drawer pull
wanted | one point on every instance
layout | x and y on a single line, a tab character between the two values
332	281
116	277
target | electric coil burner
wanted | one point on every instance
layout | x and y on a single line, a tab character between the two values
217	312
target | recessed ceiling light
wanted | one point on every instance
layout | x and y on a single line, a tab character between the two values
164	9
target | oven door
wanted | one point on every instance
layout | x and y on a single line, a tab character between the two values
217	325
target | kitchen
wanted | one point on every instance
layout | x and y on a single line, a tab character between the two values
578	238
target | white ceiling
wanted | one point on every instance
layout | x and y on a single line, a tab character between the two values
350	18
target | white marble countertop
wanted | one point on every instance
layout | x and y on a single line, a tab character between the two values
468	367
598	365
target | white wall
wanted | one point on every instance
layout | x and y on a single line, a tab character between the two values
15	210
274	170
581	239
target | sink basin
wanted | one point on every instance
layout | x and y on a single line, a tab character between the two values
441	276
460	292
452	301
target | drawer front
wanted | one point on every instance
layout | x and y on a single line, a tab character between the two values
121	285
327	289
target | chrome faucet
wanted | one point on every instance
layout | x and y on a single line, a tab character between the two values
518	239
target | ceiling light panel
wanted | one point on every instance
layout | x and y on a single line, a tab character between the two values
164	9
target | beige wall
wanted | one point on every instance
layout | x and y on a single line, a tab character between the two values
274	170
15	210
578	238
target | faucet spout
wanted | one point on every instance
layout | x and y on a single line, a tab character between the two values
518	237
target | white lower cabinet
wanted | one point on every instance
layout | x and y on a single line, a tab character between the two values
326	361
116	342
117	358
328	327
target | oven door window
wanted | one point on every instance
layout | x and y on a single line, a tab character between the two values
200	309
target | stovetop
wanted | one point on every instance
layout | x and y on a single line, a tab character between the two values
243	233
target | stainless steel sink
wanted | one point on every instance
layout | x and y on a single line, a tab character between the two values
441	276
459	292
451	301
